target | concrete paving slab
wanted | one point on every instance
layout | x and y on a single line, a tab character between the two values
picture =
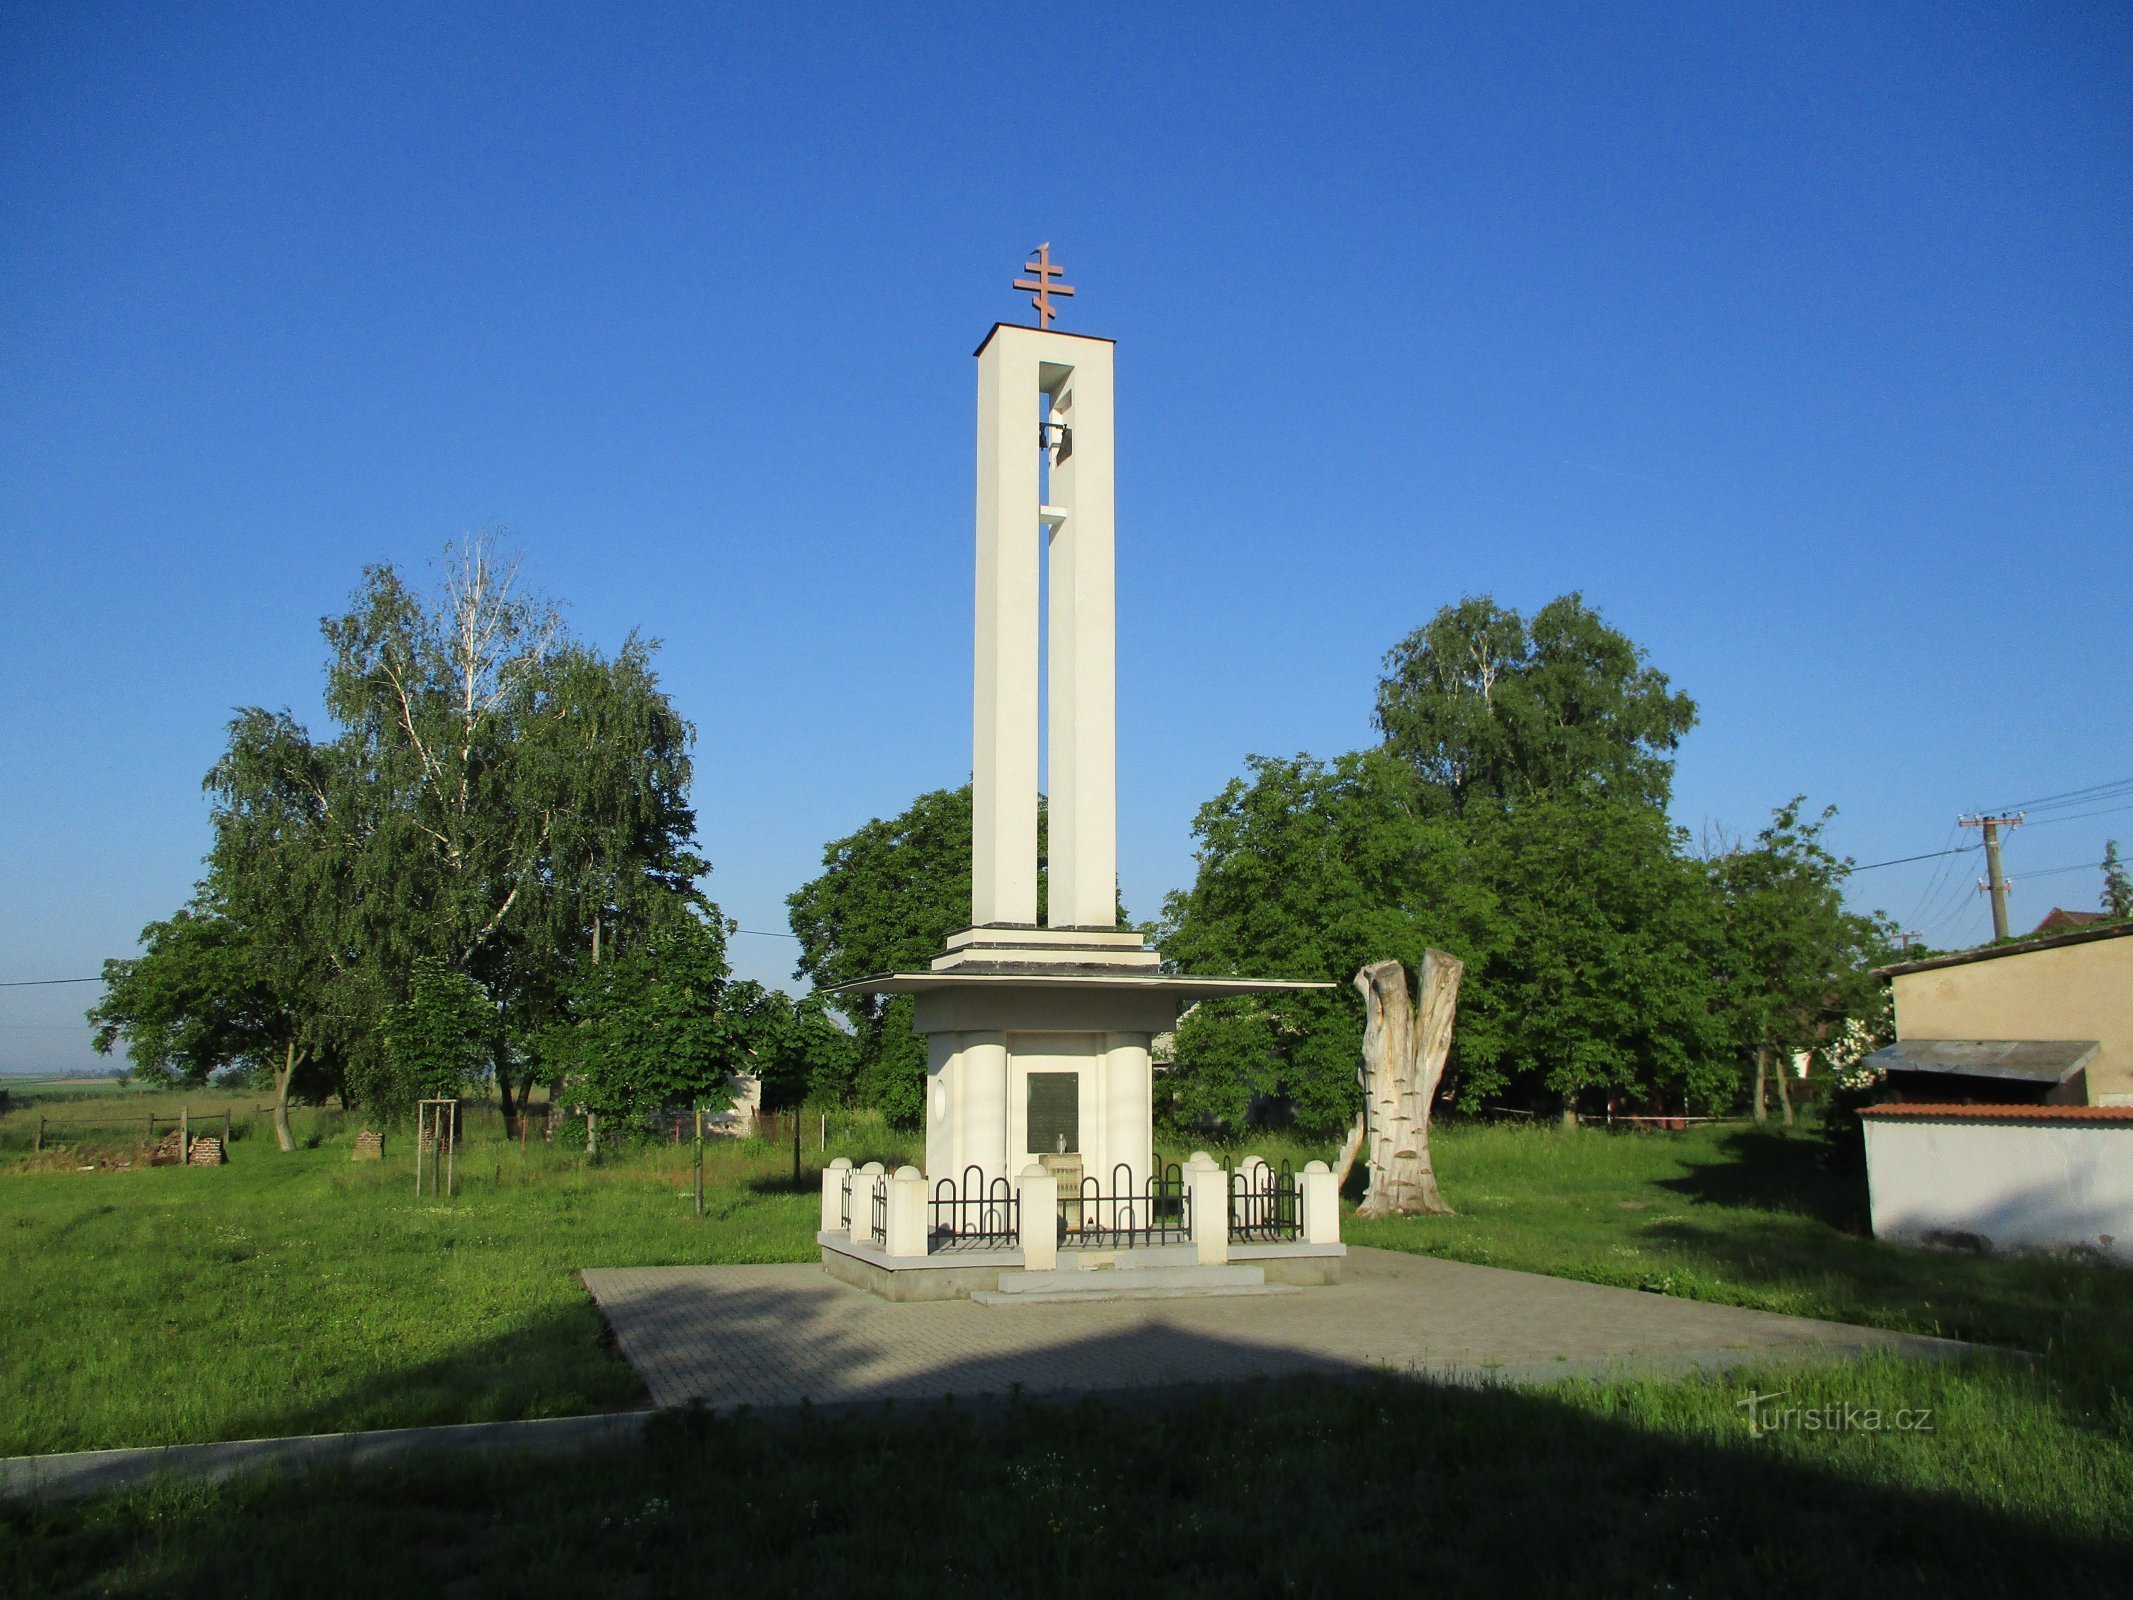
772	1336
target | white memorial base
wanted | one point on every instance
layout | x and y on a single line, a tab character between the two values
1210	1232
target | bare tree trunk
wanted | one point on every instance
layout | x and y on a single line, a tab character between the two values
282	1079
1404	1050
500	1062
1346	1162
1784	1073
1568	1117
1762	1074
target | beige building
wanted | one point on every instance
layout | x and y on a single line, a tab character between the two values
2047	1020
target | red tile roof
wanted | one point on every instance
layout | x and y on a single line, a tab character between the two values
2005	1113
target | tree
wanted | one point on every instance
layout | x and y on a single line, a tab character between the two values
2117	886
1404	1050
886	900
1307	869
1490	709
532	794
792	1048
436	1041
190	1005
497	802
646	1028
282	868
1598	976
1792	962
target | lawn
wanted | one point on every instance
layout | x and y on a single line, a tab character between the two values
306	1292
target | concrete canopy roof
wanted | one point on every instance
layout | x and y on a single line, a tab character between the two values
2046	1061
1186	989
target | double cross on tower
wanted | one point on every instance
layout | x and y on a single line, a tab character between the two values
1045	271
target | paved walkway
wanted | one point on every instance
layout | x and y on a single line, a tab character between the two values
773	1336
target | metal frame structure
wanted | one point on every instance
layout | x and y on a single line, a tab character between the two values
1159	1212
972	1213
1267	1212
437	1146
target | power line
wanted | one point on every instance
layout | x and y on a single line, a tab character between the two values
1930	855
2045	822
35	983
2072	797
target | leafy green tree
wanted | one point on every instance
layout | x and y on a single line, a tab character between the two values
530	796
435	1042
1598	977
886	900
1792	962
645	1029
497	801
1490	708
1308	869
2117	886
794	1050
191	1005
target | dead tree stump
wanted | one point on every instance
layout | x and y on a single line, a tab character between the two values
1404	1049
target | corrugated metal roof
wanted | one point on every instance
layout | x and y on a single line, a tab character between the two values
2023	1060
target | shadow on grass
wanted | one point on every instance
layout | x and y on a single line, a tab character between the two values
1273	1487
561	1363
1764	1170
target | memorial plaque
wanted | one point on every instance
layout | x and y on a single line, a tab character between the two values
1054	1112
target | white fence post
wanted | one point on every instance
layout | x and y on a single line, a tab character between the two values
1038	1194
834	1177
907	1213
1208	1185
1321	1204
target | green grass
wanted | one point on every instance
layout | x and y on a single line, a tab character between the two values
1279	1489
305	1292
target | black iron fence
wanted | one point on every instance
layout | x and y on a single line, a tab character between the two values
881	1211
1158	1212
844	1220
972	1213
1265	1205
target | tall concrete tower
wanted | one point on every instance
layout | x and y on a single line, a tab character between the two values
1038	1033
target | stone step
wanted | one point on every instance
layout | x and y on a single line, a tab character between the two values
1067	1297
1121	1280
1075	1257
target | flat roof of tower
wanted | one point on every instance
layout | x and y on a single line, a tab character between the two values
1052	333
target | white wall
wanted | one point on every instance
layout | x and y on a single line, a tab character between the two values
2007	1186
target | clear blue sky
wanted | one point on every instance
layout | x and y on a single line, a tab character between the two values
1797	338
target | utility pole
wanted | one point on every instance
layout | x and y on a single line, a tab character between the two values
1995	882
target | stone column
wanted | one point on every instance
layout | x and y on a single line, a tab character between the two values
1128	1116
1038	1193
1321	1205
907	1213
834	1177
982	1118
1209	1188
